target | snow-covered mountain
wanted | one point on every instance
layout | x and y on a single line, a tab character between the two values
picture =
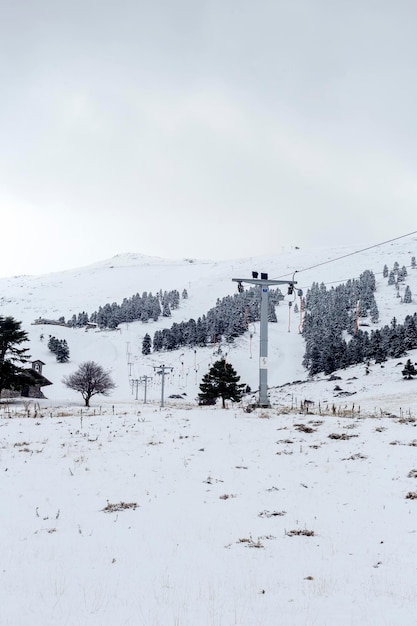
51	296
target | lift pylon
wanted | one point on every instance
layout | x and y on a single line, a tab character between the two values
264	283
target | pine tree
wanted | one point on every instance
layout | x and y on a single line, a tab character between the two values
60	348
168	340
378	346
315	362
62	352
272	316
407	295
191	333
157	341
201	331
53	344
222	382
166	311
144	316
374	312
146	344
402	274
410	332
174	297
362	310
11	354
409	370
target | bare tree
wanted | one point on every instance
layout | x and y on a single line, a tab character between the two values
90	379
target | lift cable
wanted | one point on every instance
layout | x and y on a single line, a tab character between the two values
345	256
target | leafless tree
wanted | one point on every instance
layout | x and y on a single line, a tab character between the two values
90	379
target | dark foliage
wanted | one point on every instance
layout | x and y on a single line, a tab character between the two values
330	315
146	344
60	348
229	319
409	370
12	355
142	308
220	382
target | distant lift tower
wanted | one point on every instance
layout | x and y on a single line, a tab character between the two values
264	285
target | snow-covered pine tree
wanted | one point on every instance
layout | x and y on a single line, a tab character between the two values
409	370
407	295
146	344
157	341
53	344
402	274
374	312
62	352
410	332
166	311
272	316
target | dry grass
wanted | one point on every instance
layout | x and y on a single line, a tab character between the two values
251	543
299	532
341	436
120	506
302	428
272	513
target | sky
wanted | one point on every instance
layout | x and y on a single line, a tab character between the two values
211	129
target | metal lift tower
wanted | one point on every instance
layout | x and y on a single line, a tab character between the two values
264	284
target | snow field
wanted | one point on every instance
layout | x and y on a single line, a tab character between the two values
218	494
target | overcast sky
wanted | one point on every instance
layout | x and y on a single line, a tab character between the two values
203	128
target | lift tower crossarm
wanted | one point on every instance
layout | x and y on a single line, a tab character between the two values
263	281
264	284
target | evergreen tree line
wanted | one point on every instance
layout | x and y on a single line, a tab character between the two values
396	276
228	319
142	308
397	273
332	313
60	348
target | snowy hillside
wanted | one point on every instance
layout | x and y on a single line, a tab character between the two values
63	294
137	515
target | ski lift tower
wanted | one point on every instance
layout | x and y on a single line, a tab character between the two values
264	284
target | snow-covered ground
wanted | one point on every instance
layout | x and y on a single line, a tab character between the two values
217	517
134	514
